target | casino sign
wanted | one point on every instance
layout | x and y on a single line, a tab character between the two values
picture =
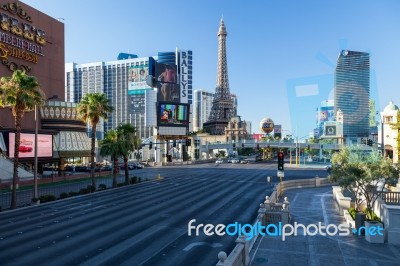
267	125
19	38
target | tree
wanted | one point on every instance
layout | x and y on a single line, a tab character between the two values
91	109
21	93
128	142
112	146
363	173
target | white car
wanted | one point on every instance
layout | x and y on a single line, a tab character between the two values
235	161
219	161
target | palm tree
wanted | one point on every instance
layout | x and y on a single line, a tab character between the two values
128	140
112	146
21	93
91	109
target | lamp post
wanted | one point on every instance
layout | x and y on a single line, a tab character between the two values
35	190
296	146
35	185
382	136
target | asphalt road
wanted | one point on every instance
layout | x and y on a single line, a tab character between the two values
142	224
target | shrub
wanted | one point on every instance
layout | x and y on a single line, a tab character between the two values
133	180
102	187
352	213
91	189
63	195
371	213
84	191
47	198
120	184
73	193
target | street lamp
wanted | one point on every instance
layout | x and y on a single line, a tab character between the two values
297	141
382	139
35	185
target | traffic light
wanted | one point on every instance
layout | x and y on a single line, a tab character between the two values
281	161
188	142
150	145
174	144
234	145
369	142
242	145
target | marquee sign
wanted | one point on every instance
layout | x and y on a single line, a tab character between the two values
19	38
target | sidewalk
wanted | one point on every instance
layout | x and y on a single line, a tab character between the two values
310	206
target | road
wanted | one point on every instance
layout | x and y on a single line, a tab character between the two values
142	224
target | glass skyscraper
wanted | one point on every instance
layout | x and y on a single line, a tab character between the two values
352	93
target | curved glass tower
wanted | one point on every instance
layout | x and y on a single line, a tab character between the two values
352	90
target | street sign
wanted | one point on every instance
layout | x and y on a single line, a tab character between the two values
281	174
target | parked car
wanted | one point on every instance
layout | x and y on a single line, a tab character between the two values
106	168
235	161
244	161
219	161
137	165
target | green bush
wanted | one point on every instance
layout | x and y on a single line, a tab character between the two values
73	193
121	184
91	188
63	195
83	191
352	213
102	187
133	180
371	213
47	198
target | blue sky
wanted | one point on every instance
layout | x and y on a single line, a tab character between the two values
271	45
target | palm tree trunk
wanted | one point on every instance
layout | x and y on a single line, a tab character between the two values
115	171
16	157
126	170
92	154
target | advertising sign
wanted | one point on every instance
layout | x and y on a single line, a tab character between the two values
137	79
330	130
278	131
167	83
185	76
171	114
27	145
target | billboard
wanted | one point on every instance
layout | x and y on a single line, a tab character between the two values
172	114
27	145
167	83
278	131
185	76
330	130
137	79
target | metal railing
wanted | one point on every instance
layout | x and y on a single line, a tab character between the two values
392	198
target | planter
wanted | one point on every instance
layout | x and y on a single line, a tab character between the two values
374	232
359	222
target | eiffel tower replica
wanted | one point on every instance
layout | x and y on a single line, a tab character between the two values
222	109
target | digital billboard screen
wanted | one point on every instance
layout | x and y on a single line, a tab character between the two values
27	145
173	114
137	79
167	83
